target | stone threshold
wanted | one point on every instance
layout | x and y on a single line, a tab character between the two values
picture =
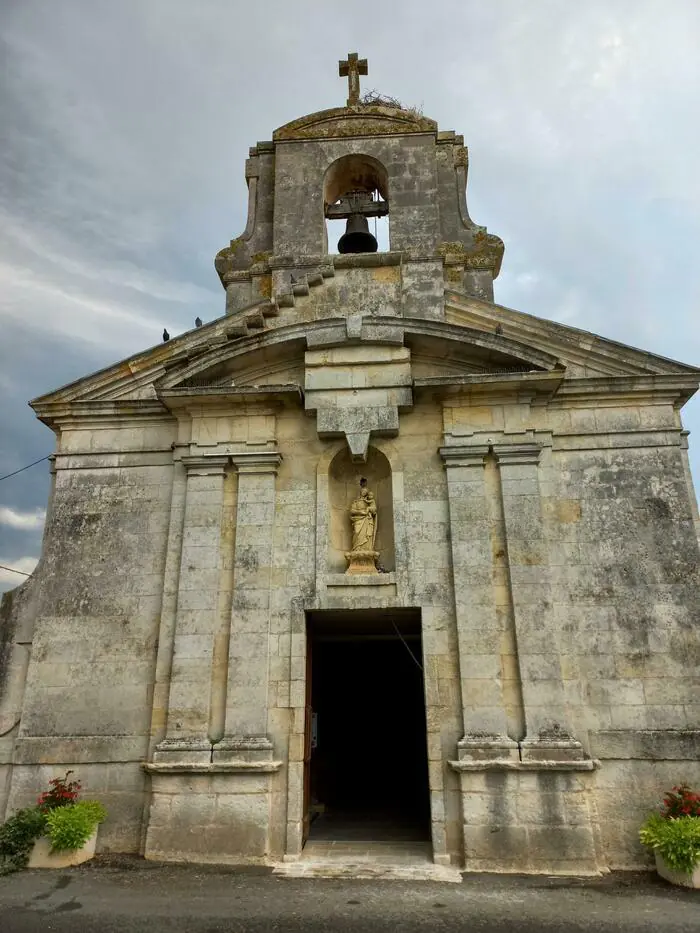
370	868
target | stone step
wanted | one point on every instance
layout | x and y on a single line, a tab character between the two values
255	321
285	300
377	869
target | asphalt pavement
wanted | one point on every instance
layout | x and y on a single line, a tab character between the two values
132	896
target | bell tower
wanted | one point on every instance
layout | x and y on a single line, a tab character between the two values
371	158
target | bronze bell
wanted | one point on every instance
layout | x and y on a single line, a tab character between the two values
357	238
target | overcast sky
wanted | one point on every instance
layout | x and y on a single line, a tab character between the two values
125	125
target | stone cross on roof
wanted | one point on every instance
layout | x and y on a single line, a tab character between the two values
352	69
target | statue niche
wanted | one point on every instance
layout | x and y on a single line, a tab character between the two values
362	558
361	526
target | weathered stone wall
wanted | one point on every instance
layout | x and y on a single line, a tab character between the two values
626	590
627	585
424	568
17	614
300	167
615	549
88	696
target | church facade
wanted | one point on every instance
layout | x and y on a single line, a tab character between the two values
368	545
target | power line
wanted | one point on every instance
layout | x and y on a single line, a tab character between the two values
405	644
22	469
12	569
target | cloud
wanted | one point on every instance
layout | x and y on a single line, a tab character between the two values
8	579
119	183
27	521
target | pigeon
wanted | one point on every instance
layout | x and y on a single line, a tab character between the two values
166	335
198	322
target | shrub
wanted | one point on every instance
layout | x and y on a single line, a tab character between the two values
676	840
17	836
681	801
70	827
61	793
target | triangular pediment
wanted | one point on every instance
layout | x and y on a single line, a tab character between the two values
477	341
583	354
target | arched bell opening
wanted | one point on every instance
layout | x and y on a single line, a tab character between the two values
344	481
356	205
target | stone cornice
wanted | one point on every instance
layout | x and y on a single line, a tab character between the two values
204	465
492	386
512	454
256	461
464	456
464	765
529	358
219	767
64	414
673	388
571	344
191	398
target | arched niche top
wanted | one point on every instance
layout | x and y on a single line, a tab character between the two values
343	486
354	172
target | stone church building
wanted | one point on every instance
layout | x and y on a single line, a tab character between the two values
368	557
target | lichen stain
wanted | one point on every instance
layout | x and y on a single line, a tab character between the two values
567	510
386	274
265	286
247	558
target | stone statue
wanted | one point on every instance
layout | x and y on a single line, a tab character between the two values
363	517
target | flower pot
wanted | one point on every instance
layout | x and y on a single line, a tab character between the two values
677	877
42	856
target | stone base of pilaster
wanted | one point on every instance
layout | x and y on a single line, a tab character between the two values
554	745
481	747
215	810
529	817
250	748
183	750
216	816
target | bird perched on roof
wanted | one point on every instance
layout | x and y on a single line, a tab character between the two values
198	321
166	335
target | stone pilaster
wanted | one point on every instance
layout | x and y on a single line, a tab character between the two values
247	689
546	717
197	613
478	627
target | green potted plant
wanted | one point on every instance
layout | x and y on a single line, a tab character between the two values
674	835
59	831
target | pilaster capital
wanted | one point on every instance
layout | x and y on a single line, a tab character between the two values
507	454
257	461
464	455
202	465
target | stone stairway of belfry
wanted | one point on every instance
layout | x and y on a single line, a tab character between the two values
254	320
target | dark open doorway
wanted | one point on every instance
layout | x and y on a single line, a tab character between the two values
367	761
